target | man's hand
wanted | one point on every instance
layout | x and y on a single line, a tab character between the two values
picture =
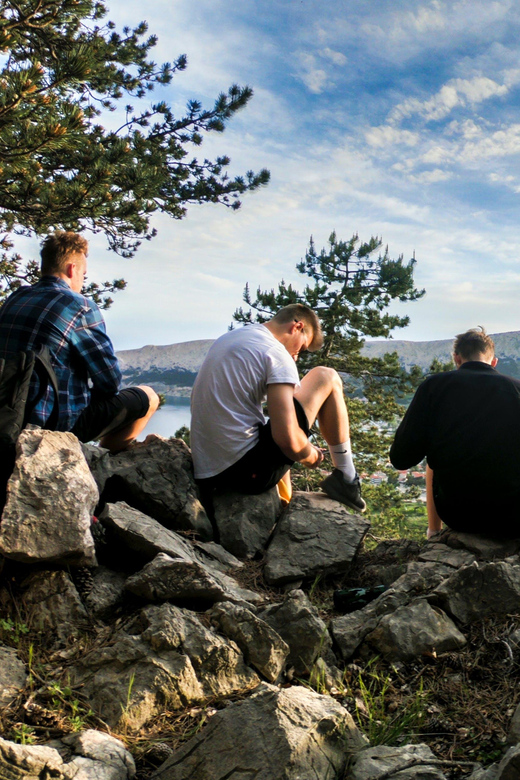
314	459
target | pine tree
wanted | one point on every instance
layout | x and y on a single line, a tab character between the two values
64	69
352	286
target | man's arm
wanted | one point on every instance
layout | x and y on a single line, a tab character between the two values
95	349
411	438
286	432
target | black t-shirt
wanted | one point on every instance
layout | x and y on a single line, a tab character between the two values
467	424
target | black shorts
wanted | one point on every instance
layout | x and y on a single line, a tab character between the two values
110	414
261	468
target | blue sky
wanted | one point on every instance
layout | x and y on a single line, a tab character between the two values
398	119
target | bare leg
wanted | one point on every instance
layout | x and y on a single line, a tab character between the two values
321	395
434	521
116	442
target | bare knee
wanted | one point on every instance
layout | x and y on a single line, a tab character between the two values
153	398
326	377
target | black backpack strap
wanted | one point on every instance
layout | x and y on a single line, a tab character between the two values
46	377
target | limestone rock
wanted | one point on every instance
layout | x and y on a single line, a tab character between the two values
514	728
509	767
91	755
479	590
245	522
165	656
315	535
50	499
441	553
262	647
371	763
482	547
107	593
415	629
299	624
156	477
168	578
287	734
53	605
12	675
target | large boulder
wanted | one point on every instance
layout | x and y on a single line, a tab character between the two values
53	606
13	675
287	734
166	656
315	535
386	761
479	590
91	755
245	522
483	547
299	624
50	499
167	578
261	645
412	630
156	477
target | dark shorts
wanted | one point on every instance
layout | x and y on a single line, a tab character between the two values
261	468
110	414
496	516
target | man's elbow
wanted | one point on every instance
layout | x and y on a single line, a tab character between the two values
291	446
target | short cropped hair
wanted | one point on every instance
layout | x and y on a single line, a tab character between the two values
474	344
296	312
57	248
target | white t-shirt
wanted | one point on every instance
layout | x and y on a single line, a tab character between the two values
226	402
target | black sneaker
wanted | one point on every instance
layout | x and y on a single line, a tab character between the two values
349	493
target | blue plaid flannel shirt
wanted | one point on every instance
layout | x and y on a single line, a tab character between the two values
49	313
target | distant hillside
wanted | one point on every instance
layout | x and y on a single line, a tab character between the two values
172	369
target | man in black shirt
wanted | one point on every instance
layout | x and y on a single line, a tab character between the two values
467	424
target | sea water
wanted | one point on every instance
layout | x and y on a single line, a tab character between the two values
168	419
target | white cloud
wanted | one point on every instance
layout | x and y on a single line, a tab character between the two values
334	56
314	77
389	136
431	177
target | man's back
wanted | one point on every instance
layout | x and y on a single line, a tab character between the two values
51	314
228	393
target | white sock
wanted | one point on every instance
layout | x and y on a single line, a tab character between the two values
342	459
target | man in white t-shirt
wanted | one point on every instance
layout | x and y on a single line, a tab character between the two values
233	446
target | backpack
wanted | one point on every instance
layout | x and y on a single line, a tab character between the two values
15	411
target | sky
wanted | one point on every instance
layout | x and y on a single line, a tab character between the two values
398	119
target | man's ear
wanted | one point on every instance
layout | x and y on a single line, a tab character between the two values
69	270
457	360
494	362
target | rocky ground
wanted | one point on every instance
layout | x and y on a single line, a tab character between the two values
136	646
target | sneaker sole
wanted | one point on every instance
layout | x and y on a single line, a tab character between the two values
336	496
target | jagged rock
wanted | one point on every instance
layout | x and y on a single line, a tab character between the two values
514	728
50	499
262	647
12	675
441	553
481	546
217	557
287	734
370	764
165	656
245	522
414	629
156	477
167	578
299	624
315	535
349	631
107	593
91	755
479	590
507	769
53	605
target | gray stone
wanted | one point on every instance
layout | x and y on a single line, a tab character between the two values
50	499
107	593
217	557
91	755
482	547
513	736
167	578
441	553
12	675
262	647
166	656
509	767
350	630
53	605
371	763
299	624
156	477
287	734
415	629
484	774
245	522
479	590
315	535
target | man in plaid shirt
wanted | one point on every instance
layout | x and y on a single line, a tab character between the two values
53	313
